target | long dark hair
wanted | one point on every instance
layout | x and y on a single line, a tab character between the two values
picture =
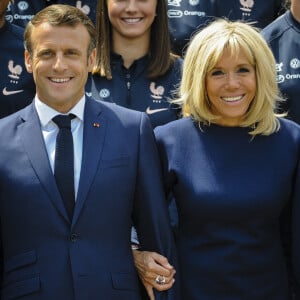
161	58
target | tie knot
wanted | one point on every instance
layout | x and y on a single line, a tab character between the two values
63	121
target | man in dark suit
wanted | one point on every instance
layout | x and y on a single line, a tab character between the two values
47	251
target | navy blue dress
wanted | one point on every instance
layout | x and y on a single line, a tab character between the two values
231	192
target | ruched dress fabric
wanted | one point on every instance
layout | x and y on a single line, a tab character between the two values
231	191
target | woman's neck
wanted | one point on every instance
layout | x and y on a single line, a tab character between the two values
295	9
130	49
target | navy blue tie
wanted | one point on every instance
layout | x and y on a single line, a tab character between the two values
64	161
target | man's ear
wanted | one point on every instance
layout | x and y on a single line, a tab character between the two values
28	61
92	60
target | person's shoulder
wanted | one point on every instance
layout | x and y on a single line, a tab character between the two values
113	110
14	119
277	28
12	32
177	63
290	127
174	72
176	134
16	31
289	123
176	127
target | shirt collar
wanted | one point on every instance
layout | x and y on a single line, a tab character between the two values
46	113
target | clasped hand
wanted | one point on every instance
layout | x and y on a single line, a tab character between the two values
150	265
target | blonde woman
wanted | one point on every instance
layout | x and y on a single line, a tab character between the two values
233	167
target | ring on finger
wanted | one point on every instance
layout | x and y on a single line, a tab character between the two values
160	279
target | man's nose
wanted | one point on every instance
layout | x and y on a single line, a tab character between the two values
60	62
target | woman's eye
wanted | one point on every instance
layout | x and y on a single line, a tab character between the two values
217	73
243	70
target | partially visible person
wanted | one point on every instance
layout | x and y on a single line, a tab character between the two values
21	12
17	87
87	6
259	13
233	166
135	67
283	36
186	17
48	251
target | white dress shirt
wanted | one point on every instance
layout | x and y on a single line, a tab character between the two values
50	130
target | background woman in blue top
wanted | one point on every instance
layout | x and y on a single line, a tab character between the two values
283	36
186	17
260	13
134	67
224	163
17	87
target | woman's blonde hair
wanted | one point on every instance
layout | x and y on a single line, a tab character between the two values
206	49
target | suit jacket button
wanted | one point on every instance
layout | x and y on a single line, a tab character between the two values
74	237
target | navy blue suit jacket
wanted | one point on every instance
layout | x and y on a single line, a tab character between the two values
44	255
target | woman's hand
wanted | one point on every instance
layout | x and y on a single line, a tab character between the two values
152	268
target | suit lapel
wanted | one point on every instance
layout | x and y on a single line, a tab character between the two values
93	140
32	139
